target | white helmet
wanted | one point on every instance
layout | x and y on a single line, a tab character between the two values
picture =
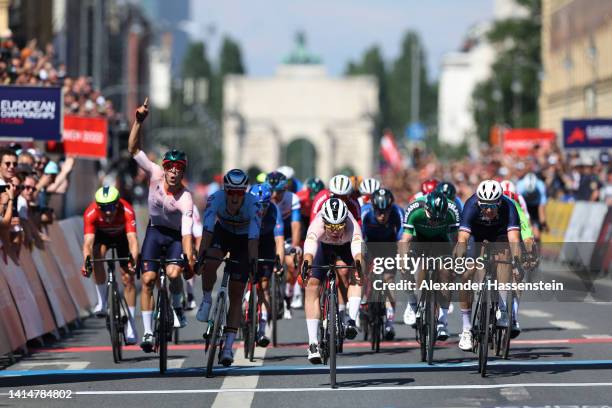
507	185
369	186
334	211
287	171
489	190
531	181
340	185
235	179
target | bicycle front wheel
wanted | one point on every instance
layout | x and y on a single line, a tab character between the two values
215	336
162	330
332	321
505	346
431	326
252	323
114	314
274	305
484	329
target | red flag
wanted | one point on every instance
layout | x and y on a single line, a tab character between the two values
390	152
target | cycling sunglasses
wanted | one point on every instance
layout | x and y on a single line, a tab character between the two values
334	227
238	193
489	206
107	207
174	165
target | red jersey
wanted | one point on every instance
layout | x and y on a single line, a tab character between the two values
323	195
123	222
305	202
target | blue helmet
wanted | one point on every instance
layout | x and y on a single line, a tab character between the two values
263	192
277	181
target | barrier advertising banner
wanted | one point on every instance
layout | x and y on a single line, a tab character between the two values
31	112
85	137
587	133
29	269
523	141
10	316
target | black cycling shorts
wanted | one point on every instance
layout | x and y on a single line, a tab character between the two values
120	242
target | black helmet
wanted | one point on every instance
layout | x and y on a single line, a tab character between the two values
448	189
382	199
277	181
436	206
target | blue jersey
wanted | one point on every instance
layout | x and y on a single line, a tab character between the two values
532	198
246	221
459	204
373	231
365	209
473	221
272	222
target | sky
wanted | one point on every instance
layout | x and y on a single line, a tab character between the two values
336	30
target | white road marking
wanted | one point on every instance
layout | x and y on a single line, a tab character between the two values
70	365
597	336
242	399
534	313
176	363
351	389
515	393
568	324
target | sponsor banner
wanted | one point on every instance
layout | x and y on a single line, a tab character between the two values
29	269
10	317
85	137
76	253
584	227
24	298
587	133
523	141
5	345
558	216
72	276
602	256
31	112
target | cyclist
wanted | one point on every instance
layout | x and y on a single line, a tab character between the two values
271	244
487	215
426	187
293	184
197	237
510	188
289	205
109	220
366	188
231	224
334	234
312	187
449	190
434	219
534	191
340	186
170	226
383	222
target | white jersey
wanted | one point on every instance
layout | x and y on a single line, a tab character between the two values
316	234
197	223
290	202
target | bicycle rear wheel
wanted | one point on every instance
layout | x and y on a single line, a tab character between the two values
484	331
332	327
431	325
215	335
162	329
114	315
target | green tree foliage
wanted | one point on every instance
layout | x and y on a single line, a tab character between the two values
510	96
230	62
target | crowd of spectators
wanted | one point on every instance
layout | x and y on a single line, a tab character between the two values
27	179
32	65
567	176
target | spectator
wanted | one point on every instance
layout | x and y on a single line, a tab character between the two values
8	164
607	190
588	183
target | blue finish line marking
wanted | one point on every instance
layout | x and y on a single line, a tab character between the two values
280	369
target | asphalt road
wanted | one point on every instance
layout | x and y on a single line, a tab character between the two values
562	358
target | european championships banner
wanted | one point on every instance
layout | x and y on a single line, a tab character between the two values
31	112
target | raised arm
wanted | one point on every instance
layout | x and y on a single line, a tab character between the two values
134	140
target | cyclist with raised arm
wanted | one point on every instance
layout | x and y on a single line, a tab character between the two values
334	234
289	205
432	220
271	245
170	226
109	221
231	224
487	216
382	222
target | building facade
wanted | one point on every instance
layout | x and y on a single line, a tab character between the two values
300	117
577	61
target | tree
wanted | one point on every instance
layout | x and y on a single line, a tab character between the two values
230	62
510	95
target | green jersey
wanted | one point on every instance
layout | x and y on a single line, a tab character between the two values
416	222
526	231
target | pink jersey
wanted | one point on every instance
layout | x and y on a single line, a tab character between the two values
316	234
197	223
166	209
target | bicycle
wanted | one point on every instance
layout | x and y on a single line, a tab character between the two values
118	312
331	327
373	316
214	330
163	313
426	321
485	331
276	295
